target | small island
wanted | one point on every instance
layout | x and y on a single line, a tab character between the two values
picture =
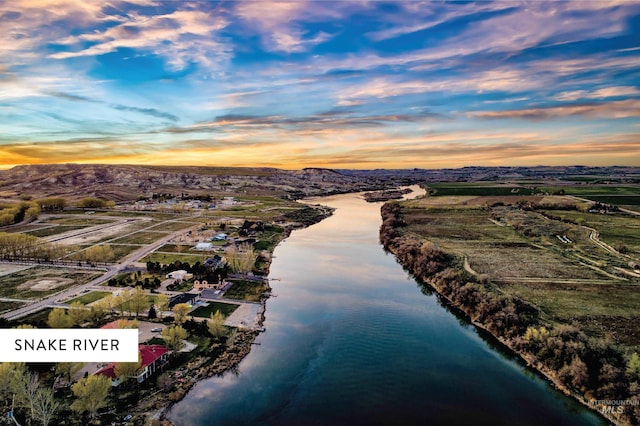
386	195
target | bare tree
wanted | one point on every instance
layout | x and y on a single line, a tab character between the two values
45	405
26	387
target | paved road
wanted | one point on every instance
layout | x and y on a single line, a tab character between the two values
112	272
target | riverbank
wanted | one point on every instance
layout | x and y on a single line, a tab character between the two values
153	409
584	368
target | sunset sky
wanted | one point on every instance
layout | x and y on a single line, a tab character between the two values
358	84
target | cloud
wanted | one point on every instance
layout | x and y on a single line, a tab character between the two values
147	111
472	149
74	150
279	23
445	149
69	96
413	17
612	110
180	37
325	121
496	80
16	86
536	24
606	92
29	25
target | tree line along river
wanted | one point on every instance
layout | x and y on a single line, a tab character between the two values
352	339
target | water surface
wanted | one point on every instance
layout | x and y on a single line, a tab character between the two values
351	339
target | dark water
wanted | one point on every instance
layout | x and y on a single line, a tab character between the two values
352	340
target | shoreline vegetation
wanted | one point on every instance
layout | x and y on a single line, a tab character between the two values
586	368
202	367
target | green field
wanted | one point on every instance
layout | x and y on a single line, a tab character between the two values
23	228
144	237
619	200
477	189
166	258
175	248
170	226
81	221
206	311
615	229
610	194
119	251
602	190
52	230
90	297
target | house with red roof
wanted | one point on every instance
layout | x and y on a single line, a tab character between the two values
152	358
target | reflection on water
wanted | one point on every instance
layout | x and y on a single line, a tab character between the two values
351	339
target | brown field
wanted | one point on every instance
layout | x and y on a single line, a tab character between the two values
38	282
554	264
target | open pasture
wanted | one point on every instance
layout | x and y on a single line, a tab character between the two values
614	228
170	226
38	282
167	258
550	258
77	220
571	301
478	189
145	237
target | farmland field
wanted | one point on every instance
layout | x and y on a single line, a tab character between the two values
167	258
621	200
170	226
144	237
80	221
52	230
477	189
574	266
38	282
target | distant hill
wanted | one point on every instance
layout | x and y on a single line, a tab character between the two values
130	182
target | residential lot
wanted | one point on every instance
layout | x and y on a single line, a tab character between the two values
39	282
